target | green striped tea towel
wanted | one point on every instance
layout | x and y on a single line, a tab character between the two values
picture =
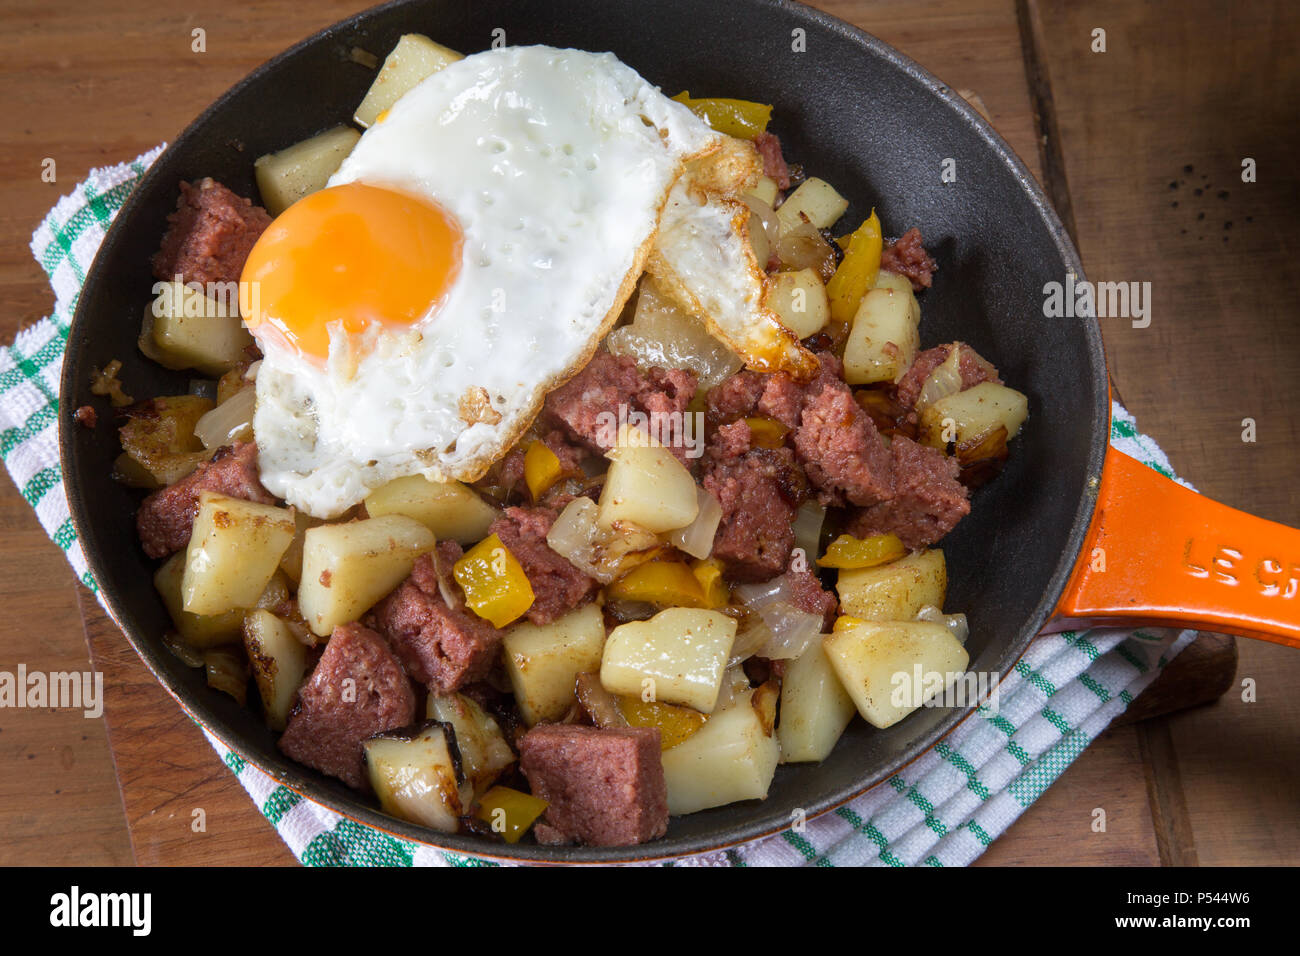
940	810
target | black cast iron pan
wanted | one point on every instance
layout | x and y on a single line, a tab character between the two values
854	112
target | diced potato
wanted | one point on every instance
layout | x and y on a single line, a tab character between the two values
765	190
815	199
234	550
278	660
878	666
647	486
347	568
285	177
678	656
183	328
730	758
799	301
196	630
884	339
415	58
291	560
415	776
892	280
968	415
202	631
131	473
814	707
159	435
543	661
895	591
484	752
450	510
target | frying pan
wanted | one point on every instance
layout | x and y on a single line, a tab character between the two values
867	119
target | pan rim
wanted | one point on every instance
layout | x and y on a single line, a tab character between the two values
285	773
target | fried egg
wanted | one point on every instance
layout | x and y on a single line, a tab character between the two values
466	258
703	258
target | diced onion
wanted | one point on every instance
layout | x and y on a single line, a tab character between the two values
808	528
754	596
227	671
189	655
661	334
748	641
954	622
793	631
696	539
804	247
602	553
785	630
600	704
767	216
230	421
942	382
734	681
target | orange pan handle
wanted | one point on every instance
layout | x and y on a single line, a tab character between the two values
1160	554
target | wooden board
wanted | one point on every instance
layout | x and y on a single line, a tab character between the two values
88	103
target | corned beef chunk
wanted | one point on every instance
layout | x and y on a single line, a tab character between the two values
906	257
840	449
810	596
558	587
759	489
166	517
972	367
358	689
604	787
927	501
584	404
210	234
443	646
774	164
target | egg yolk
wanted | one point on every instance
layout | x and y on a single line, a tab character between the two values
349	257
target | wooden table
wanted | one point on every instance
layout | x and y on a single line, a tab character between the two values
1141	148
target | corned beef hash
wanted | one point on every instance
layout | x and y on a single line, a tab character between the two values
559	460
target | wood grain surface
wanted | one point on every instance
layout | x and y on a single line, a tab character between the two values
1181	85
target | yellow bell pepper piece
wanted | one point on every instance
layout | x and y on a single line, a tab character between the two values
495	585
740	118
857	273
708	571
510	812
846	623
541	469
766	432
675	723
665	583
847	551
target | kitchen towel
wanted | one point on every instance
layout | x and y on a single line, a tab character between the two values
943	809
